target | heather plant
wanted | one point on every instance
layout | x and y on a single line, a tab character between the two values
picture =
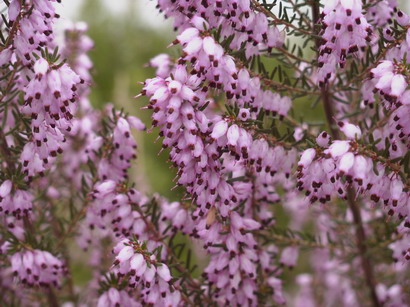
267	186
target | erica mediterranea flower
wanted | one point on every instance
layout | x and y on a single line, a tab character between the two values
284	159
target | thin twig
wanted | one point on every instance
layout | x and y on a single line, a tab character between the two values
381	122
291	55
277	20
278	85
5	150
13	32
52	299
302	15
361	246
72	228
294	241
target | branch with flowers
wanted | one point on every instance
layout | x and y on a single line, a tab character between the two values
266	188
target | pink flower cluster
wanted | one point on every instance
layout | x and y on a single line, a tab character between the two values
17	203
206	148
35	19
323	172
248	27
237	149
114	297
79	44
112	210
143	271
116	166
211	63
391	84
389	79
345	31
198	141
49	101
36	267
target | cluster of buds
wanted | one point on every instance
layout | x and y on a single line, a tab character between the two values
210	63
208	148
185	128
144	272
345	31
17	203
390	80
79	44
37	268
116	165
247	26
197	139
383	14
113	209
50	101
401	246
163	64
35	19
236	256
233	268
324	172
114	298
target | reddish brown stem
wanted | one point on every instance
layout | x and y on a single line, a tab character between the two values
52	299
361	246
5	150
